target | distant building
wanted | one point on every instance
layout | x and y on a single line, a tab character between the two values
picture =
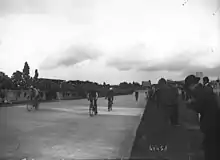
146	84
57	81
200	75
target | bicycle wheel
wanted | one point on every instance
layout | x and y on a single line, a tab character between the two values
95	110
91	110
109	105
29	107
36	106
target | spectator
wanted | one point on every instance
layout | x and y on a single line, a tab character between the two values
2	95
136	95
147	93
205	103
168	101
156	97
207	85
183	94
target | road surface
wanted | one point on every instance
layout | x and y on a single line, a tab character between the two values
64	130
182	143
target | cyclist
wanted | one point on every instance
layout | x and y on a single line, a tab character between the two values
110	95
34	96
136	95
93	97
147	94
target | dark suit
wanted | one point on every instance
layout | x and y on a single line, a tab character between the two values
168	101
206	104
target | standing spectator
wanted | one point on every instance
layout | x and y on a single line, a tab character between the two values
150	92
207	85
2	96
205	103
147	94
168	101
136	95
174	118
183	94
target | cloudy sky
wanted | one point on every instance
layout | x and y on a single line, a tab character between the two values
110	40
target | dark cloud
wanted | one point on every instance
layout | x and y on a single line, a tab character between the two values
182	62
73	55
173	65
211	72
130	58
183	65
122	64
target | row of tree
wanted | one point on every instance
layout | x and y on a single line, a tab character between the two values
23	80
18	80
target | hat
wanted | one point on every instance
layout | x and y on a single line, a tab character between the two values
162	80
206	79
191	79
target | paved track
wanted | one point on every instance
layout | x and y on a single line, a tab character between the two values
64	130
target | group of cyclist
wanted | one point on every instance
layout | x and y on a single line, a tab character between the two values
93	97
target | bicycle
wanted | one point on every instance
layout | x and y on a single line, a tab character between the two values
32	104
92	109
110	102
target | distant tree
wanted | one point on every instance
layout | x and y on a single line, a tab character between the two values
36	74
65	86
34	80
26	74
136	84
47	85
78	82
5	82
17	79
124	85
26	69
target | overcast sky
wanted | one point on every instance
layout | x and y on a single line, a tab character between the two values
110	40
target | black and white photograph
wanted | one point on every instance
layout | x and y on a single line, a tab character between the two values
110	79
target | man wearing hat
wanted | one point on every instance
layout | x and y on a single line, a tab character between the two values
167	100
205	103
207	85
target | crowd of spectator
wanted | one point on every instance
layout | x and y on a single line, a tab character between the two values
198	97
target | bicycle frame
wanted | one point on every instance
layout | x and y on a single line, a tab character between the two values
92	109
110	102
32	104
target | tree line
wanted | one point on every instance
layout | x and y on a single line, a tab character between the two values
21	80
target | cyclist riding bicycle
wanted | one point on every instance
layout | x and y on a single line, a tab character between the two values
110	95
136	95
93	97
34	96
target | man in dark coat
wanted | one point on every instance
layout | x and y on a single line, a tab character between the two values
205	103
207	85
168	100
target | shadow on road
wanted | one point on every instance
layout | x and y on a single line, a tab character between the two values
152	131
